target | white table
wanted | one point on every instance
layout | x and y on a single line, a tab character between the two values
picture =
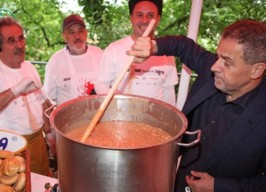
38	182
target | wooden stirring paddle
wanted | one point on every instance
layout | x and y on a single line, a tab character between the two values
110	94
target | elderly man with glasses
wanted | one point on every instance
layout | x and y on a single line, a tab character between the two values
22	102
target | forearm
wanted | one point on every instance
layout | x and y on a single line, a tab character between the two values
5	98
173	45
189	52
25	86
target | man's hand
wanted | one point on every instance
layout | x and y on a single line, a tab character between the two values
142	49
25	86
200	182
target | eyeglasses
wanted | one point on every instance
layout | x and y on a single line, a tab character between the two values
12	40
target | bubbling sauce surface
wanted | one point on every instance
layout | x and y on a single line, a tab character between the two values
121	134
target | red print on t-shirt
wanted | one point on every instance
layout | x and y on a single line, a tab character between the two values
89	87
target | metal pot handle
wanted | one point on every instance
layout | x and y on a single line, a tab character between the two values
51	108
193	142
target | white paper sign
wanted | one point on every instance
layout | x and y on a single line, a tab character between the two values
12	142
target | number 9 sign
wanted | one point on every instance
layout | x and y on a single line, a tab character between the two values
12	142
3	143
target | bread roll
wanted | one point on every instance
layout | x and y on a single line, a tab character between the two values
5	188
22	163
21	182
20	158
9	180
5	154
0	168
12	172
10	166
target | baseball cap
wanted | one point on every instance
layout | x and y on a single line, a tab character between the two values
72	19
158	3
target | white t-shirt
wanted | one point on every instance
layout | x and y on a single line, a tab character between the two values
15	117
155	78
71	76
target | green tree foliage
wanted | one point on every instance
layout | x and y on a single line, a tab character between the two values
217	14
41	20
109	20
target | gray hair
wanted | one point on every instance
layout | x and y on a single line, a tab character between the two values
252	35
5	22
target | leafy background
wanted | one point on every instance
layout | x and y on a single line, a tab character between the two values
108	21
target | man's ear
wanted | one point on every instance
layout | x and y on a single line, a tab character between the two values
258	70
159	19
64	37
131	18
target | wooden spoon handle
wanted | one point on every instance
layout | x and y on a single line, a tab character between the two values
110	94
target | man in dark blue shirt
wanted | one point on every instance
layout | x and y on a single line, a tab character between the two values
228	103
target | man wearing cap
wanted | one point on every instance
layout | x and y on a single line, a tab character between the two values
71	71
154	78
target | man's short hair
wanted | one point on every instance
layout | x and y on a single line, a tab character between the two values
252	35
158	3
5	22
